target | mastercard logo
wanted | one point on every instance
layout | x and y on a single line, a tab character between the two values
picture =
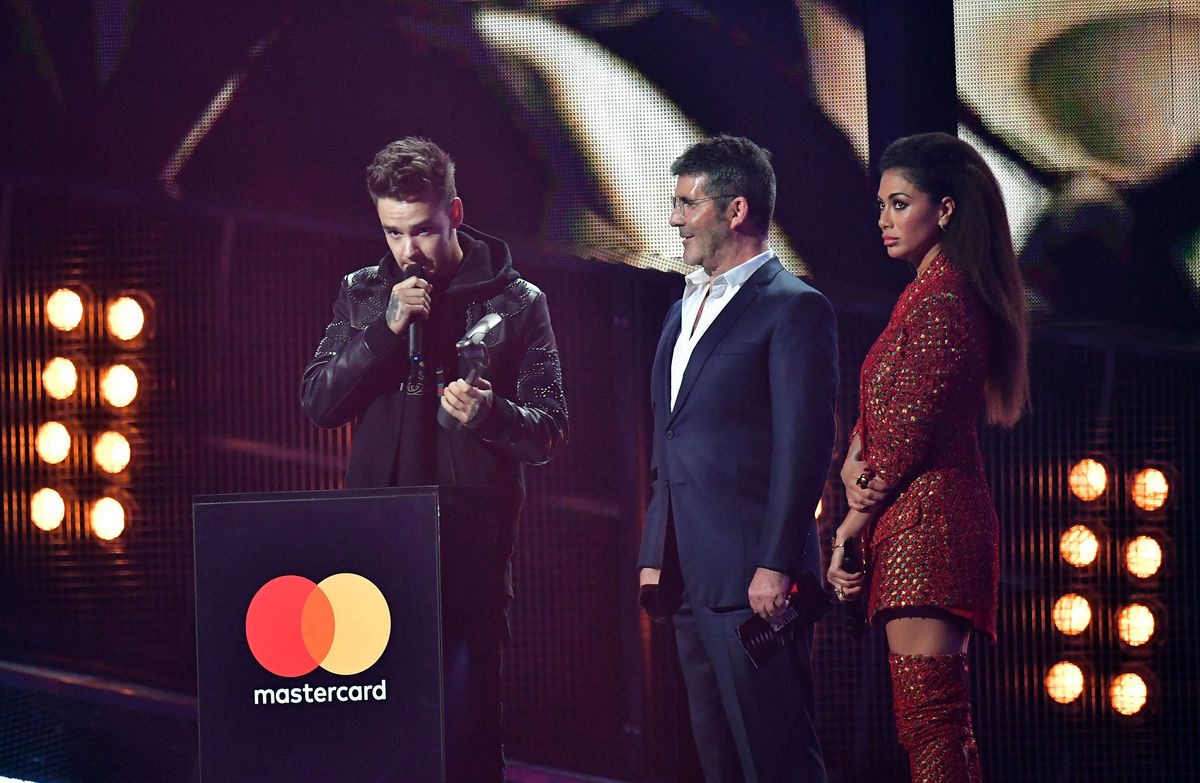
294	625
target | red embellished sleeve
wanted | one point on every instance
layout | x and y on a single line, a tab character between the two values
929	363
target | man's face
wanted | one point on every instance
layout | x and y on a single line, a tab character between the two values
420	232
703	229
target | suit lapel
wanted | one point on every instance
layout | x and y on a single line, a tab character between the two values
720	327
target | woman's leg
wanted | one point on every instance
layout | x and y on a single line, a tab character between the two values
929	695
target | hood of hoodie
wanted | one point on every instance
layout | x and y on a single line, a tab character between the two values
486	268
485	271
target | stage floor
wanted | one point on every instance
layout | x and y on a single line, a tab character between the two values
60	727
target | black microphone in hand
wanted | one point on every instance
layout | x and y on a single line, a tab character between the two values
416	326
855	618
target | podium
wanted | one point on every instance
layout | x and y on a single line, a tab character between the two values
349	635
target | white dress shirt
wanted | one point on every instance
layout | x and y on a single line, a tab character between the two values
696	284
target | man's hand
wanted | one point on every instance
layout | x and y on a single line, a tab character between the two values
649	597
409	299
768	592
469	404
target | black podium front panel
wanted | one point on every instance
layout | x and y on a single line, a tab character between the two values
318	636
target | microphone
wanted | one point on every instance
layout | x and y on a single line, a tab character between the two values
416	326
855	618
471	348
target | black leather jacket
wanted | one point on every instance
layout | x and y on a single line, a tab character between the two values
360	369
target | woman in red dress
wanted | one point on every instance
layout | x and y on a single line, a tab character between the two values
954	351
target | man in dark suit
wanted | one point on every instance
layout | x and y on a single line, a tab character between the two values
743	391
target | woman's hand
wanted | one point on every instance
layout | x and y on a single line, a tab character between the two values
855	473
846	586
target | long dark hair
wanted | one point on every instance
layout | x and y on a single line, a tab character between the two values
977	241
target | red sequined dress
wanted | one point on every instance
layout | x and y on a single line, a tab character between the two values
937	543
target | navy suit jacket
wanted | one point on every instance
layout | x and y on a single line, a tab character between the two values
739	464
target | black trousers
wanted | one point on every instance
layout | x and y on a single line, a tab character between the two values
473	660
750	725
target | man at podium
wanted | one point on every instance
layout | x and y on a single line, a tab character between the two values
390	360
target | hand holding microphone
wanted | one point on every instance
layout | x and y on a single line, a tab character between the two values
408	307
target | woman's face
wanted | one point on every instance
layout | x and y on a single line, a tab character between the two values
908	218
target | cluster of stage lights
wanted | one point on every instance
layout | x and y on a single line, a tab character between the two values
1137	621
64	378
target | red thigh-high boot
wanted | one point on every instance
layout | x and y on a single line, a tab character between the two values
933	717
